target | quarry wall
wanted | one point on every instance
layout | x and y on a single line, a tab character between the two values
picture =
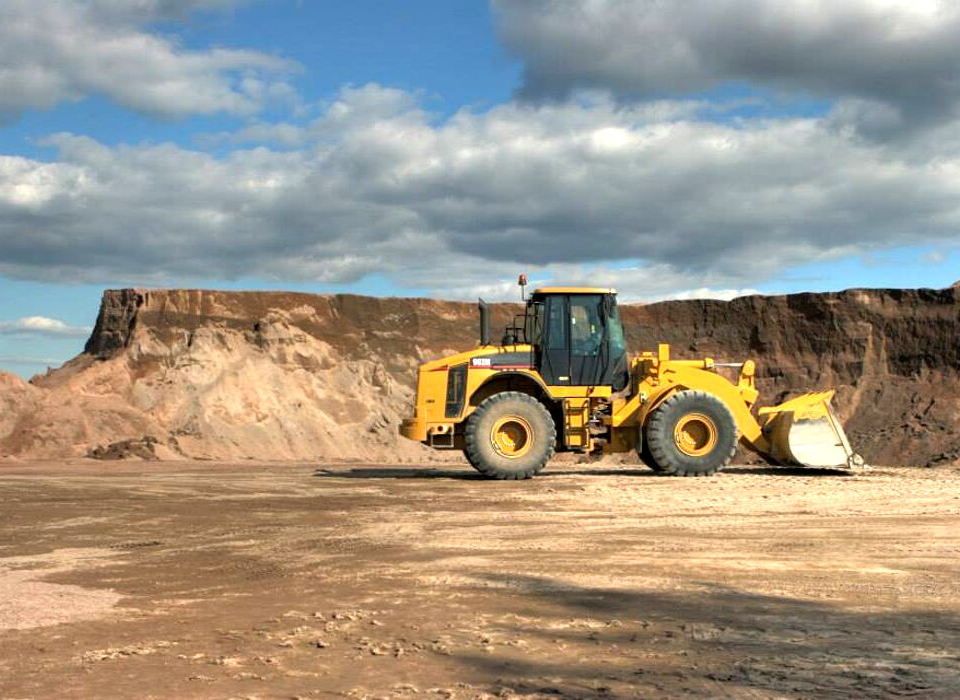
273	375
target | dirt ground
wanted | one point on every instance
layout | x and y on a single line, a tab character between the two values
280	581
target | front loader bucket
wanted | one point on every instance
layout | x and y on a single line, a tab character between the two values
806	432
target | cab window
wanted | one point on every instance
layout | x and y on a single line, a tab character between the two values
555	337
618	345
586	331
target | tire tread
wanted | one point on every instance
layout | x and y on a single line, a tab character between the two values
473	440
659	429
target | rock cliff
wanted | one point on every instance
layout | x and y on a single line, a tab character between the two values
273	375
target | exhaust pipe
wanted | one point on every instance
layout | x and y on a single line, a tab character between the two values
484	322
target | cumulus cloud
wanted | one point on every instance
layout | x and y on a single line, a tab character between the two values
43	326
63	50
654	200
895	63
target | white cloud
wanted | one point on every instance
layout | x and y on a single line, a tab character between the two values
63	50
354	109
28	361
707	293
41	325
635	283
897	60
652	199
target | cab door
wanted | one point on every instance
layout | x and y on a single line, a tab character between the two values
582	342
587	338
554	351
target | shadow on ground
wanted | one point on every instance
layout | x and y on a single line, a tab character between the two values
719	642
786	471
464	474
469	475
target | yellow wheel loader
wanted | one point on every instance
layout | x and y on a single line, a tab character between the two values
561	380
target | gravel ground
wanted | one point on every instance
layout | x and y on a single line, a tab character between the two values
176	580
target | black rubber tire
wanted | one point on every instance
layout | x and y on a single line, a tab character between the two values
470	460
479	448
646	458
663	448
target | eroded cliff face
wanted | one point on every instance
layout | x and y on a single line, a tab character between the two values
225	375
272	375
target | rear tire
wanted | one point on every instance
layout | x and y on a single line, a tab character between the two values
692	433
510	436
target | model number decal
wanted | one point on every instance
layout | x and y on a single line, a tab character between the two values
481	362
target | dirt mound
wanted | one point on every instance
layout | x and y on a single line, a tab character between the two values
223	375
17	398
273	375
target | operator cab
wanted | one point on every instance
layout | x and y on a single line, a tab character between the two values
577	337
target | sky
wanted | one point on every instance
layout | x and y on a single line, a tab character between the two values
709	148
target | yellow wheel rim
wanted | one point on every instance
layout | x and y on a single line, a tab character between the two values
695	434
512	437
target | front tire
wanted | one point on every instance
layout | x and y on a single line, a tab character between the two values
692	433
510	436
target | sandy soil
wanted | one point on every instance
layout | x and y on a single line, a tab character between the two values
215	580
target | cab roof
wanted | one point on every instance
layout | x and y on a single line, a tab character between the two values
575	290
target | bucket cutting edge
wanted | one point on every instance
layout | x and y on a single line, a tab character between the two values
806	432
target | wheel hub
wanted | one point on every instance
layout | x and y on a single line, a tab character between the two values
512	437
695	435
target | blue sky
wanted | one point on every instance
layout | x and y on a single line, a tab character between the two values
437	148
